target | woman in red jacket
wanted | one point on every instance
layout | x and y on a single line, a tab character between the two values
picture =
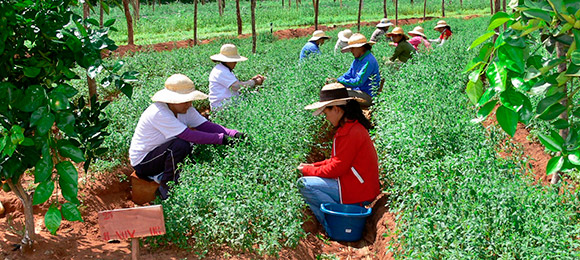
351	175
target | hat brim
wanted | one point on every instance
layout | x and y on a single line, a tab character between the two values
347	48
440	26
342	37
393	34
383	25
223	58
318	107
416	33
317	38
171	97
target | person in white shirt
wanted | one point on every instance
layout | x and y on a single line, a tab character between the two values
382	29
342	41
223	84
167	129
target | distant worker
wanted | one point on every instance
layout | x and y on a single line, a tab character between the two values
445	31
312	47
404	49
363	76
342	41
417	38
382	29
223	84
351	174
164	133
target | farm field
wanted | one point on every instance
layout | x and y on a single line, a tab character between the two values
453	189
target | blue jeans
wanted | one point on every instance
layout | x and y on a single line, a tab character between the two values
316	191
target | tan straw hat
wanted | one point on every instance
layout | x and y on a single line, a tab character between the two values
398	31
228	53
178	89
356	40
333	94
384	23
418	31
317	35
344	35
441	24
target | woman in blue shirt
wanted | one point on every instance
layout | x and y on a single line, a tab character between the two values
312	47
363	77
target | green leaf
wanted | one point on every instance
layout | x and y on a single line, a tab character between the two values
43	192
66	89
526	112
31	72
109	23
68	181
71	212
474	91
507	119
561	124
497	76
538	14
65	122
573	70
43	169
574	158
513	57
486	109
16	134
66	149
37	115
34	97
549	101
52	219
550	143
58	101
554	165
481	39
487	95
44	124
552	112
512	99
498	19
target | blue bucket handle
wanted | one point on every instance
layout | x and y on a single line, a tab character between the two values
363	214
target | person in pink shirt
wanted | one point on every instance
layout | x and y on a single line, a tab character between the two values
418	37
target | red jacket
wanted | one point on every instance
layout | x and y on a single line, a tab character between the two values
354	163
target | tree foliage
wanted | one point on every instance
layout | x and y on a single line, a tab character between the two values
44	122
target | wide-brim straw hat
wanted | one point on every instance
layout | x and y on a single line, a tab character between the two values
398	31
318	34
344	35
418	31
441	24
228	53
356	40
178	89
384	23
333	94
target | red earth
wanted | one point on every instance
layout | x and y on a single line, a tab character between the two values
105	191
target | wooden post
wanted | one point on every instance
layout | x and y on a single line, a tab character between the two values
194	22
254	37
359	11
396	12
442	8
91	82
239	17
424	10
385	8
491	6
130	40
315	13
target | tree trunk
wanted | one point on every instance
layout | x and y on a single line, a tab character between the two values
282	3
561	52
220	10
195	22
359	12
442	8
136	6
424	10
239	16
315	14
101	14
289	3
29	233
396	12
92	83
129	23
411	2
491	7
254	37
340	4
497	6
461	4
385	8
153	5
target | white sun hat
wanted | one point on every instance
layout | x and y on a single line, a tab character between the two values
318	34
333	94
344	35
228	53
418	31
356	40
441	24
178	89
384	23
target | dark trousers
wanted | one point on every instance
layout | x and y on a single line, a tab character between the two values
164	159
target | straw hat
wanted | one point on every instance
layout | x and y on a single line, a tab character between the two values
344	35
384	23
178	89
356	40
398	31
317	35
441	24
228	53
418	31
333	94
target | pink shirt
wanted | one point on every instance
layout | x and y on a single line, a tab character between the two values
416	40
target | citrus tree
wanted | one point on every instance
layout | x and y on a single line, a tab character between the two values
537	54
44	122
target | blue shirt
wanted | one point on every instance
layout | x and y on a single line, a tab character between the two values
310	48
363	74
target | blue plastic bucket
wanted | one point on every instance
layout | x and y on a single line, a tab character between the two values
345	222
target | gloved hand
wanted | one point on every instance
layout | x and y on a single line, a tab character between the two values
227	140
241	135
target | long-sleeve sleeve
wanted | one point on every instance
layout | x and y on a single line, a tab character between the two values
201	137
210	127
340	163
353	82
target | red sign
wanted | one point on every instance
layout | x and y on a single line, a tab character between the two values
132	222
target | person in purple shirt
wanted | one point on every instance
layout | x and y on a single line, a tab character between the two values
167	129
